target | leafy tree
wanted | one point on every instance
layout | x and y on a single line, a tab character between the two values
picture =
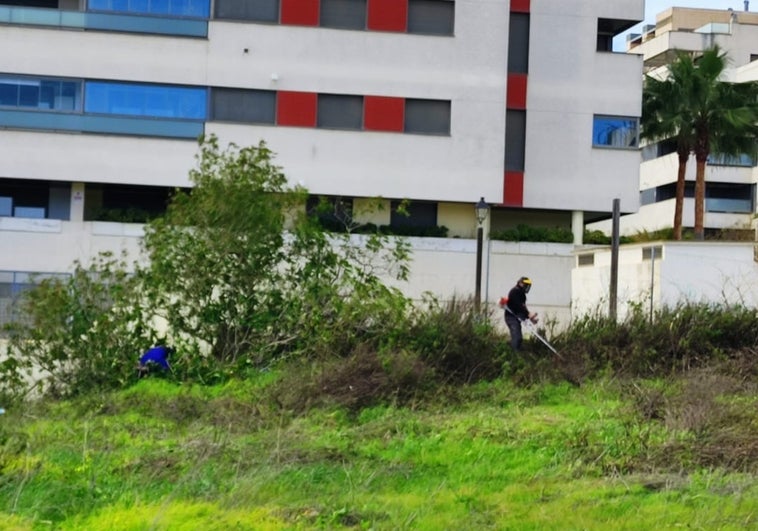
703	114
238	267
78	333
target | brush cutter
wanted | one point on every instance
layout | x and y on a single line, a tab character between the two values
533	331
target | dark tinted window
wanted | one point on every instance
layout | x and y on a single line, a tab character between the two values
258	10
434	17
347	14
515	139
46	94
518	43
340	112
427	116
413	214
247	106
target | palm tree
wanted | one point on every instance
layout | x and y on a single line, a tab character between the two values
665	115
703	114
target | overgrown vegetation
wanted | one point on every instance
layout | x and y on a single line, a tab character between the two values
307	394
662	453
237	278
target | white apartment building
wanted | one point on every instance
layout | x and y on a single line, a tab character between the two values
730	190
440	102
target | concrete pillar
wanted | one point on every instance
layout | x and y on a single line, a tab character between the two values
577	226
77	202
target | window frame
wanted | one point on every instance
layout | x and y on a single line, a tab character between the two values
414	112
607	118
419	22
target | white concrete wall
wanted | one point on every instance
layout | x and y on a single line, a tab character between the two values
661	215
52	246
713	272
444	267
663	170
74	157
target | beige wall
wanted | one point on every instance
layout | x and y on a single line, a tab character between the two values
683	19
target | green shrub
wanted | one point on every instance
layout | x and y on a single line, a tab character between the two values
460	342
526	233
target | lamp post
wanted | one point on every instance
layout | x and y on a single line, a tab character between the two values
482	211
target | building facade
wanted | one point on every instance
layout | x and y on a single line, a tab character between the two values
730	190
439	102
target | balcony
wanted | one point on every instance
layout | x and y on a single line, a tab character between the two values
168	24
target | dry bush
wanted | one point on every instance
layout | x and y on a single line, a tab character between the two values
712	410
360	380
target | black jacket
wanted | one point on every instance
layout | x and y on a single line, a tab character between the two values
517	303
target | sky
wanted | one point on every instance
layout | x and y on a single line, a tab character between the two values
653	7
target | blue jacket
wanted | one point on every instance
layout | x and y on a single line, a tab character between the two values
157	355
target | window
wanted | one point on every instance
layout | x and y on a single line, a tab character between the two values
6	206
607	29
125	203
515	139
720	159
35	199
29	212
340	112
427	116
651	253
648	196
414	214
604	42
52	4
729	197
585	260
615	132
345	14
175	8
243	106
40	93
658	149
432	17
257	10
334	213
158	101
518	43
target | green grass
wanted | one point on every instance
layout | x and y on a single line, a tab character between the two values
164	456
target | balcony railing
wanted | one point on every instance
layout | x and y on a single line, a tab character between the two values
56	18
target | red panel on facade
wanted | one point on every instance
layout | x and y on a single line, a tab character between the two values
516	97
388	15
382	113
299	12
296	108
513	194
520	6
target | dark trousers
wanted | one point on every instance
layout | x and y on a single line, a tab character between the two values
514	326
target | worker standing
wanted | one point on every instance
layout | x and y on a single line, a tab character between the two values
516	310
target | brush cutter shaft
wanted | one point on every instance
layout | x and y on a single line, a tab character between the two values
533	331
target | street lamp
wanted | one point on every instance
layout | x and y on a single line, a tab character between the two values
482	211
